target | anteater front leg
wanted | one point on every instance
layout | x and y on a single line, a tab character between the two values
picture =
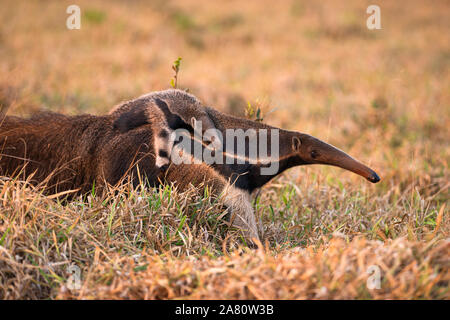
238	201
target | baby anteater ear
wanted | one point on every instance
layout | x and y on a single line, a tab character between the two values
131	119
174	120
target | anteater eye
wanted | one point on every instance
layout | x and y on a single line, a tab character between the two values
314	154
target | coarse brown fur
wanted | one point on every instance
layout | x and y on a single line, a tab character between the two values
67	153
74	152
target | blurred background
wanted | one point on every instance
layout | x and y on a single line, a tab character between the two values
381	95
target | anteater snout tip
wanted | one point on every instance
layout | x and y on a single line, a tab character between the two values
374	178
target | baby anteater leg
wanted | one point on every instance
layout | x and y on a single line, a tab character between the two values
162	136
237	201
162	147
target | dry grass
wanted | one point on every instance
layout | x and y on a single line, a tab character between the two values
380	95
337	270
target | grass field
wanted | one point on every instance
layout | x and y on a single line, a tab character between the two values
381	95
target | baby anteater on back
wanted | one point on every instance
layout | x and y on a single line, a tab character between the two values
164	111
63	152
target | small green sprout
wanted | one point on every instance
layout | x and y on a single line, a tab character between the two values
176	68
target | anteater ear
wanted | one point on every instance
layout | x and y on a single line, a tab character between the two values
131	119
296	143
163	106
173	119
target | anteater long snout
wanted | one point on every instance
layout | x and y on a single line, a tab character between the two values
324	153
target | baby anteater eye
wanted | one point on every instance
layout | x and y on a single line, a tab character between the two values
314	154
